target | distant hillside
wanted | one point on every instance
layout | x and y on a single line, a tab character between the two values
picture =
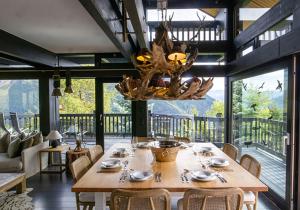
183	107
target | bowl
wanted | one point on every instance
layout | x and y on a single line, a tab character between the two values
165	151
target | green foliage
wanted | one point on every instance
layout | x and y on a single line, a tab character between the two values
252	103
82	101
216	108
237	100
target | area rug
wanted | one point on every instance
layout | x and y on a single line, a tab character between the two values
12	201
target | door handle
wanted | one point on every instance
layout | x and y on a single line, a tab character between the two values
101	119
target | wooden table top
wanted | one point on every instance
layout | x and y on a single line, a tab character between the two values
237	176
60	148
8	178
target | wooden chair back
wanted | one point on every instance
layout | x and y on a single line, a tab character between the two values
95	153
158	199
79	167
251	164
212	199
231	151
143	139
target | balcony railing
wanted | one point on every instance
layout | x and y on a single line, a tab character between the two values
262	133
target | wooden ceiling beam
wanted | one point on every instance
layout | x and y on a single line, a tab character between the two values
109	21
24	51
135	10
190	4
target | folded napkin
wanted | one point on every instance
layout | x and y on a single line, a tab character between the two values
109	170
119	155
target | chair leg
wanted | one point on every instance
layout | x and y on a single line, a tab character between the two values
91	207
256	201
85	207
248	206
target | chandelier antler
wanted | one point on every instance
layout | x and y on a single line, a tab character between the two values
166	60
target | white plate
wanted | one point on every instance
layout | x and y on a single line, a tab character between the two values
204	176
111	163
219	162
142	145
120	150
140	175
205	149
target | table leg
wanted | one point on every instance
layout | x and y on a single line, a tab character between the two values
21	187
100	201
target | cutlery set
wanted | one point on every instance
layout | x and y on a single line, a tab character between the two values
157	177
184	178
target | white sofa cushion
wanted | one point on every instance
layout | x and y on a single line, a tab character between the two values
10	164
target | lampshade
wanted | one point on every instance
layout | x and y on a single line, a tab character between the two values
144	55
177	55
56	85
53	135
56	92
68	88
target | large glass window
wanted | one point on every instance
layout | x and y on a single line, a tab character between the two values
77	111
200	120
20	97
259	124
117	116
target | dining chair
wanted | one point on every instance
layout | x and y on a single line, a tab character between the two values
78	168
182	139
254	167
143	139
95	153
212	199
158	199
230	150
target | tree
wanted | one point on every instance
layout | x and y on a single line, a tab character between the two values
217	107
82	101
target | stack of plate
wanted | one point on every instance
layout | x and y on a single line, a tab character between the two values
203	176
110	164
120	152
139	176
219	162
142	145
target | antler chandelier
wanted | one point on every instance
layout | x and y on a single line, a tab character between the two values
166	60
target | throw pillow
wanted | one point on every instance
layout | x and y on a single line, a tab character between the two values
4	142
26	143
13	148
37	139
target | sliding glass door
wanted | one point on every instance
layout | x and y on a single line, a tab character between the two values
260	125
116	117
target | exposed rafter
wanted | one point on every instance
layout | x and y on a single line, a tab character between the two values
189	4
25	51
106	17
135	10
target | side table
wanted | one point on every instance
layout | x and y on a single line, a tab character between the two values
54	167
71	156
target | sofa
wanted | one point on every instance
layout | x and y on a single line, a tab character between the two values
28	162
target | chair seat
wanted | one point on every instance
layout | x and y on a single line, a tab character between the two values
86	197
249	197
90	197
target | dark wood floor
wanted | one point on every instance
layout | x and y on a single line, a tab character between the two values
53	192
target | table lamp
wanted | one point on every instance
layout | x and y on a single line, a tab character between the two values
54	137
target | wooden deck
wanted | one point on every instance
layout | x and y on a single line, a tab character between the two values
273	169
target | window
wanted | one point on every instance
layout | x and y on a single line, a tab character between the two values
21	97
200	120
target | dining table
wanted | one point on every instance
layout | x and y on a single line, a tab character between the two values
171	173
